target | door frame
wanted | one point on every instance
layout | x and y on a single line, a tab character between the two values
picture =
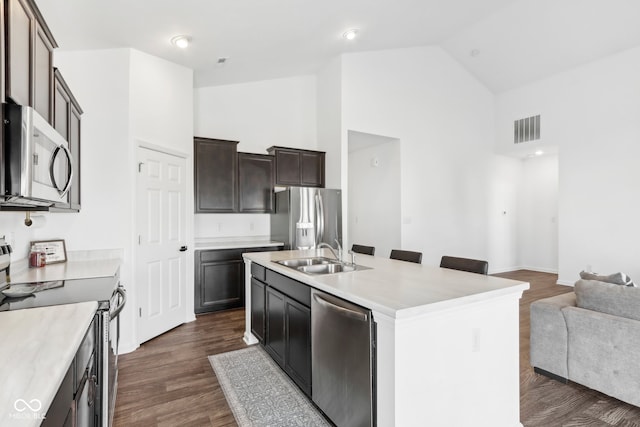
189	314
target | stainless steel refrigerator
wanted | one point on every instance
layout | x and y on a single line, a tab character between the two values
305	217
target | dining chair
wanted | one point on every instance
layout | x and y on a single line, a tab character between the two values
361	249
465	264
409	256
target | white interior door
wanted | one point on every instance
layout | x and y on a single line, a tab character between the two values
160	256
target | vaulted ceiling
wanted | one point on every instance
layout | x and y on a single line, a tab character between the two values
504	43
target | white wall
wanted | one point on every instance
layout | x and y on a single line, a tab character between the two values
329	123
374	199
592	113
538	214
445	120
119	92
259	115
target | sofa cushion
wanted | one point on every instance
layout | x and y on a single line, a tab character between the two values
616	278
608	298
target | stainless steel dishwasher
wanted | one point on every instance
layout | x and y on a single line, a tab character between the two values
343	360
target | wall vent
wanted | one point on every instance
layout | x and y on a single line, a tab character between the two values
527	129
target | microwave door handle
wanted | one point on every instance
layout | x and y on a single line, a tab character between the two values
67	186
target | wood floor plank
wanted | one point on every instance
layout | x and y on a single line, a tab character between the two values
169	382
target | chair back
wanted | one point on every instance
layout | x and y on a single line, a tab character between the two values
361	249
409	256
465	264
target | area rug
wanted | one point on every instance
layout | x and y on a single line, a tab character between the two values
260	394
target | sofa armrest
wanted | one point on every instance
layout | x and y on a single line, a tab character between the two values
603	352
549	339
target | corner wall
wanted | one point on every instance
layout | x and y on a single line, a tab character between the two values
444	119
591	113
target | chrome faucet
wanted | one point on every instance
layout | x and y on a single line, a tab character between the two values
333	251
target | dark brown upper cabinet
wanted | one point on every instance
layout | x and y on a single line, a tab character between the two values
66	120
216	175
256	179
295	167
29	57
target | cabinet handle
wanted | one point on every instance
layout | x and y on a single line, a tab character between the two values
92	390
183	248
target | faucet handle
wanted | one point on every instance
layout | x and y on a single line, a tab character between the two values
353	256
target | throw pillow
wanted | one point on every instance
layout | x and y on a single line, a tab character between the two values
615	278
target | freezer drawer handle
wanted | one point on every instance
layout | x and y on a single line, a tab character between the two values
342	310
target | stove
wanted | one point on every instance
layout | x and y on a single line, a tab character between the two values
111	298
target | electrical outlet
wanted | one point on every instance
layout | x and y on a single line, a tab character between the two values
475	340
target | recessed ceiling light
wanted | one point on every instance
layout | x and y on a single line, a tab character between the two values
350	34
539	153
181	41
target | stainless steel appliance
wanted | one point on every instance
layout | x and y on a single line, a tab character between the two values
5	262
36	160
111	297
304	217
343	360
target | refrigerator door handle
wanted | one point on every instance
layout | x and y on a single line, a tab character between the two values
320	219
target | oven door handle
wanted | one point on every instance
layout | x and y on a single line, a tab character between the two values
120	290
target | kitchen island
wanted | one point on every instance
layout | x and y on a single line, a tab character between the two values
447	341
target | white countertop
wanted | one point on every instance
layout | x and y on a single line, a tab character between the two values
38	346
396	288
81	269
205	243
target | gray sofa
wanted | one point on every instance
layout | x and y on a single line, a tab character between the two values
590	336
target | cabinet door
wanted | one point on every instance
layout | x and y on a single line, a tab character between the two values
274	341
257	309
20	35
60	411
219	286
298	344
42	73
216	171
287	167
312	169
74	147
255	180
66	120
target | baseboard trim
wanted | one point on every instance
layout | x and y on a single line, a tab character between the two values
523	267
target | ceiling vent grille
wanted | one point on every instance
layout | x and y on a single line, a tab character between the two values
527	129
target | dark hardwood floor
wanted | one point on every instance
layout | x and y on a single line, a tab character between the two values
168	381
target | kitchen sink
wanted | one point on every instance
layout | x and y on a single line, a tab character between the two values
320	265
300	262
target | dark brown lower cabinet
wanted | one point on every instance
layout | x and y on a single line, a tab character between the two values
287	336
219	278
257	309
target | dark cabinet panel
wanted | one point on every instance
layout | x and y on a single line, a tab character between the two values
258	314
287	167
295	167
42	73
66	120
216	172
220	278
275	329
312	170
298	339
219	286
255	180
20	35
287	327
29	57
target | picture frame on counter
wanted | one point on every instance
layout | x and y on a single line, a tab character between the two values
55	250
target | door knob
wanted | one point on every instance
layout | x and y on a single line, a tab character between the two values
183	248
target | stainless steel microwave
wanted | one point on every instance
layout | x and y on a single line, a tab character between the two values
37	164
